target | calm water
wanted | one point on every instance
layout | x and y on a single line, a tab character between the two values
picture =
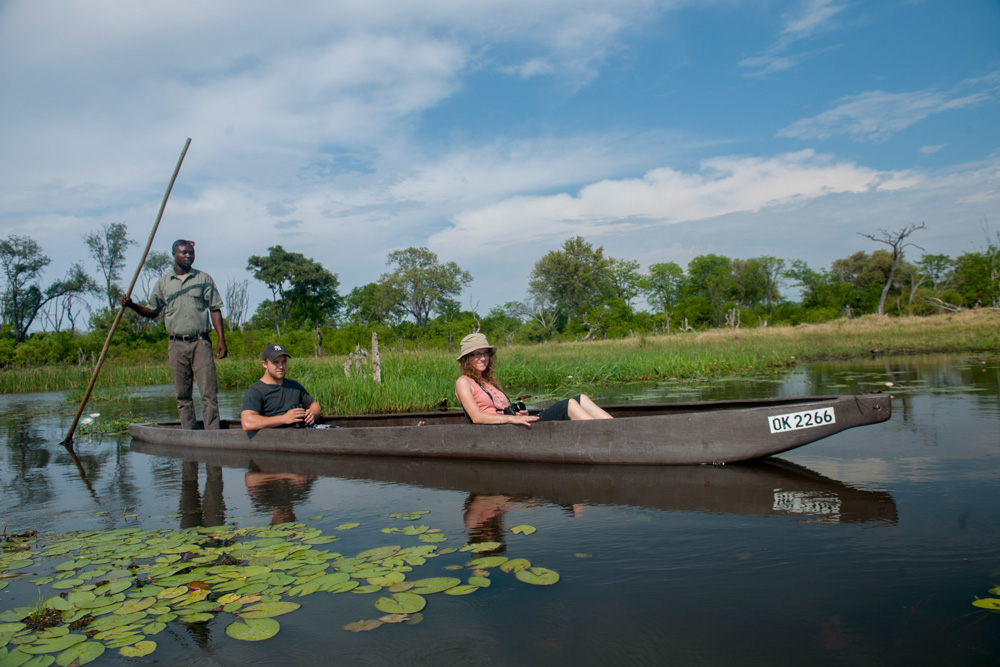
866	548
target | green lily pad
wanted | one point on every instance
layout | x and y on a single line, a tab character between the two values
987	603
488	561
80	654
464	589
434	585
481	546
138	650
538	576
523	529
66	583
253	629
377	553
346	526
401	603
268	609
432	538
154	628
482	582
516	565
134	605
343	587
415	530
54	645
199	617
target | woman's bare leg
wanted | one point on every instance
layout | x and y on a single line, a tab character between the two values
585	409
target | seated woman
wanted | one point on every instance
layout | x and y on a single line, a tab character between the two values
484	401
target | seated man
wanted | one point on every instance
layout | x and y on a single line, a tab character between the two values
275	401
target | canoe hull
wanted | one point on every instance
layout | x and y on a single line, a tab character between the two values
672	434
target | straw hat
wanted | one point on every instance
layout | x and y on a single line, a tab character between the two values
473	342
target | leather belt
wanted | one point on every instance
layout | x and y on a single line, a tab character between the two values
190	339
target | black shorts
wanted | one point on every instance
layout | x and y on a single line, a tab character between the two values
558	412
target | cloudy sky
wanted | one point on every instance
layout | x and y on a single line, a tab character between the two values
492	131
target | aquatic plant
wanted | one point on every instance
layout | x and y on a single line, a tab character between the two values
115	590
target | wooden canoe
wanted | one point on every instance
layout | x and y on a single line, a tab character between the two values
665	434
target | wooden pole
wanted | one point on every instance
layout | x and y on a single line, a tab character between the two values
121	309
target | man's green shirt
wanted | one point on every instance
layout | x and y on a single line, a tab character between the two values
186	302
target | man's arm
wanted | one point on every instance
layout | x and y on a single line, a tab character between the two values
314	412
217	323
251	420
138	307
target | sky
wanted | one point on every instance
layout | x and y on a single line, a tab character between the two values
491	132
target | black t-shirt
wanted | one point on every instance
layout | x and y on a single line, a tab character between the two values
271	400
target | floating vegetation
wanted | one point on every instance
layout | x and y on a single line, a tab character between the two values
114	590
93	425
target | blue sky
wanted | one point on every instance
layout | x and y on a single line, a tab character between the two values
491	132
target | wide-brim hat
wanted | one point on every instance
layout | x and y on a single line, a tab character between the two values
473	342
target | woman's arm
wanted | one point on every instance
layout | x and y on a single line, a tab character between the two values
463	389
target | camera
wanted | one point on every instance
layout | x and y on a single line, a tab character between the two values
514	408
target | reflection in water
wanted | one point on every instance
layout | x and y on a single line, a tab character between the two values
277	492
772	487
195	509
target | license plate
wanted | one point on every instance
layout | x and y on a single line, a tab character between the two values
795	421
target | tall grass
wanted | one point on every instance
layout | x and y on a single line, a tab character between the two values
424	380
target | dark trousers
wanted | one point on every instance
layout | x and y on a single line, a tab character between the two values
190	362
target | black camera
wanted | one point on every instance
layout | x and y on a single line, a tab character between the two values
514	408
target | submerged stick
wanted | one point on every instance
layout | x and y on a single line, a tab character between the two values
121	309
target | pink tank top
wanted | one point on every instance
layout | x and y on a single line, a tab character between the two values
482	398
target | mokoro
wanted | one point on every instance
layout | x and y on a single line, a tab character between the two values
666	434
772	487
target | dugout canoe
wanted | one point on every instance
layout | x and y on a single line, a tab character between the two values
707	432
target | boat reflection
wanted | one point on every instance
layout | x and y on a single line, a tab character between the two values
770	487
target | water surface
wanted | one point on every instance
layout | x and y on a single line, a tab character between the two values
866	548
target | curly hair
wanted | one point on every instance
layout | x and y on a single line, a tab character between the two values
468	370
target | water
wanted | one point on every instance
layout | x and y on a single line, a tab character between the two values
866	548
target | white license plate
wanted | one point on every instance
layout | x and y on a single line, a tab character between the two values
795	421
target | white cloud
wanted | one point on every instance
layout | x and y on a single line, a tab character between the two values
875	115
666	196
816	16
931	150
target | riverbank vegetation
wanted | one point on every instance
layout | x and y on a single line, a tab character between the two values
416	380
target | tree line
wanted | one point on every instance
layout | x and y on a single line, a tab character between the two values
576	292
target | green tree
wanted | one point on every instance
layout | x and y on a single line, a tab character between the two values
108	247
423	285
304	293
977	275
897	241
575	278
23	264
374	303
662	287
711	276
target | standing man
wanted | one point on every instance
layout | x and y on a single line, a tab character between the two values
192	306
274	400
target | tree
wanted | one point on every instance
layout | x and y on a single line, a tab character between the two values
157	263
625	279
711	276
897	241
374	303
108	247
23	263
237	302
304	292
70	305
421	284
575	278
662	286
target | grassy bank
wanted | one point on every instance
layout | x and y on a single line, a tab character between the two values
422	380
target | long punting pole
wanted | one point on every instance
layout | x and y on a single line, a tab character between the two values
121	309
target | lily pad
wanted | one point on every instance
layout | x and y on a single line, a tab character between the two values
138	649
432	538
523	529
253	629
268	609
538	576
80	654
54	645
346	526
363	626
434	585
488	561
987	603
401	603
464	589
516	565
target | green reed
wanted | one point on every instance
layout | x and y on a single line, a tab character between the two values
425	380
